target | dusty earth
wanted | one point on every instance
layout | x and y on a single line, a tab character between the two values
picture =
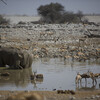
53	95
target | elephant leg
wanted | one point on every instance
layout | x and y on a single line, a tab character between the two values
80	83
85	82
18	65
95	82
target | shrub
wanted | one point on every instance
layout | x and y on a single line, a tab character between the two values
21	22
3	20
55	13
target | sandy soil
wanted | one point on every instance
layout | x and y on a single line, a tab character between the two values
53	95
95	18
15	19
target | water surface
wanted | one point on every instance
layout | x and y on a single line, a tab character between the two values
58	74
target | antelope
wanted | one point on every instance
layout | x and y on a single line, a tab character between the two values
87	75
40	76
67	56
36	76
42	34
94	77
33	76
81	54
50	33
81	40
80	76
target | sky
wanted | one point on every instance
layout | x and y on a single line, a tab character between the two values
29	7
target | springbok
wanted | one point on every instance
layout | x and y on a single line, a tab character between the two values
36	76
87	75
33	76
80	76
94	77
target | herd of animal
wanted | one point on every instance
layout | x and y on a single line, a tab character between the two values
78	78
89	74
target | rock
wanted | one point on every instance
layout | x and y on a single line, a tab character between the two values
72	92
86	98
72	98
54	89
93	97
97	96
60	91
26	91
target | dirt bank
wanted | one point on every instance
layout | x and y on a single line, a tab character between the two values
52	95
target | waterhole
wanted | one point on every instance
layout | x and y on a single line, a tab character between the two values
57	72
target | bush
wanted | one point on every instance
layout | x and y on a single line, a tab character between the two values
3	20
71	17
21	22
55	13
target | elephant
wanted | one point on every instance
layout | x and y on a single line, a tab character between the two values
26	60
15	58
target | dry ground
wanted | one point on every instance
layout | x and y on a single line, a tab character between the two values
52	95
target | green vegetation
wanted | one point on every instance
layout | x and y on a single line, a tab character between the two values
55	13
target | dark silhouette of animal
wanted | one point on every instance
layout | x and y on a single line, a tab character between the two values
39	76
14	58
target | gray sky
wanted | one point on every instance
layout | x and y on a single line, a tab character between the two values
29	7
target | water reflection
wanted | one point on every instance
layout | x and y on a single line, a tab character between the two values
35	82
58	74
17	77
86	88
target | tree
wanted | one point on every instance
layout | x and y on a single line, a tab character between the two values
55	13
80	15
51	13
